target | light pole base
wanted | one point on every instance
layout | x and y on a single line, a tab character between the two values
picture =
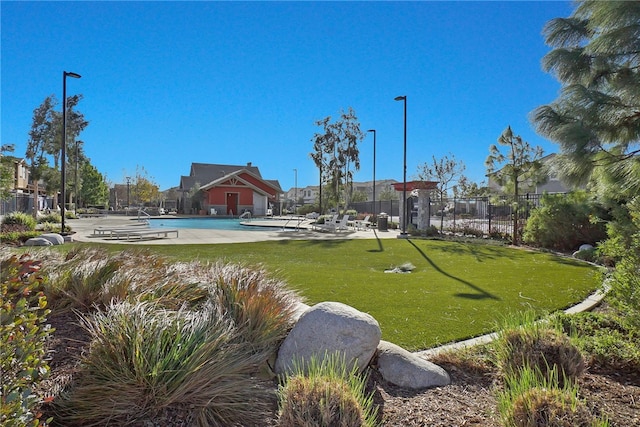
403	236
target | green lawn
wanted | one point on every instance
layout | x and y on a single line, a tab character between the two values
457	290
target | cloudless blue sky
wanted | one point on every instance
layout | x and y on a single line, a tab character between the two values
166	84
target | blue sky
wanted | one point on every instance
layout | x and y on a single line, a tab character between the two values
166	84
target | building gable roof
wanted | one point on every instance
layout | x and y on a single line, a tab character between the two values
237	176
209	175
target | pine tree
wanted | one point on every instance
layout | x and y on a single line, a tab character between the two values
596	118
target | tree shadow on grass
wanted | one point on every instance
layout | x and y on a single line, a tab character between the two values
480	251
379	240
479	292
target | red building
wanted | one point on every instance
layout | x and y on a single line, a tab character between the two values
227	190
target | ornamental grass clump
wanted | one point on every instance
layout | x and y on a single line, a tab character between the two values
260	307
327	394
17	221
146	362
180	341
537	345
532	398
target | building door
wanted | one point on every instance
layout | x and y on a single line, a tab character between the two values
232	203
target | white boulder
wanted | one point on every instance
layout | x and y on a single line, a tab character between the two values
38	241
54	238
405	369
326	329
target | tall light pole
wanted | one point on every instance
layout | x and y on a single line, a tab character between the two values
65	74
295	201
320	189
404	171
75	181
374	171
128	192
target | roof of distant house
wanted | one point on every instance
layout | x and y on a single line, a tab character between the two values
416	185
205	173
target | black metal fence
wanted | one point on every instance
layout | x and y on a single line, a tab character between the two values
489	216
390	207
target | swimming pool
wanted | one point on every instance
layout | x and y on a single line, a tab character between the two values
203	223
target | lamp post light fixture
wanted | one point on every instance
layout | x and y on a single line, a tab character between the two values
63	154
75	181
374	171
295	201
404	171
128	178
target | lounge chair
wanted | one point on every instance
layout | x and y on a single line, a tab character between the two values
343	224
329	224
362	224
335	225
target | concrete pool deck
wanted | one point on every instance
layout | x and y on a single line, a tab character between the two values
84	232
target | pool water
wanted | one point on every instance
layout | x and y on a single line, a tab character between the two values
202	223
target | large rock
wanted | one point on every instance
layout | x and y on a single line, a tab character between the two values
299	310
328	328
54	238
38	241
405	369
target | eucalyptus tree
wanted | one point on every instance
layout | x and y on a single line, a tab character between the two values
41	141
446	171
520	163
596	117
45	137
336	153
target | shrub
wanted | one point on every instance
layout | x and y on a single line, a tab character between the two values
53	217
467	230
564	222
590	254
326	395
412	230
18	221
432	231
23	334
625	279
540	347
533	399
145	363
17	237
605	338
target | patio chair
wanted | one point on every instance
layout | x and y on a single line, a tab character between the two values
343	224
329	224
363	224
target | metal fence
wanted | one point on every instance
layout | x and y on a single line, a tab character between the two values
390	207
490	216
18	202
22	202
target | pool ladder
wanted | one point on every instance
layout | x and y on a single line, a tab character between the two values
297	228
